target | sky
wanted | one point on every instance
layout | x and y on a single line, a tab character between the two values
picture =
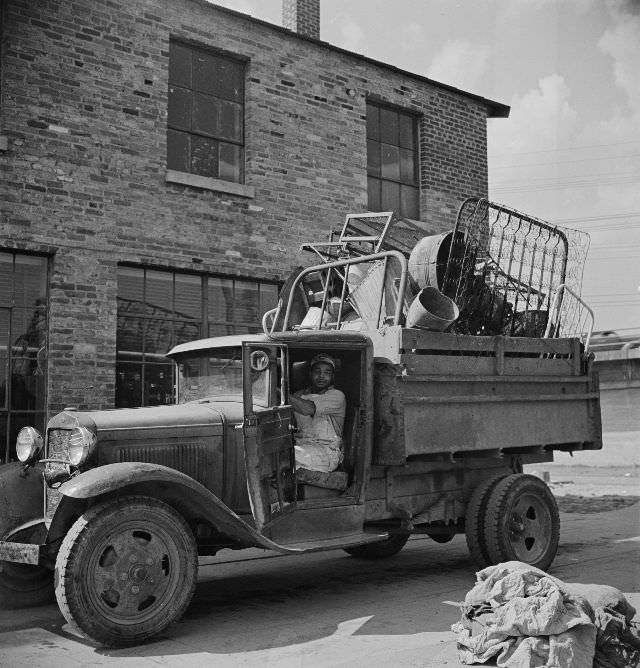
569	153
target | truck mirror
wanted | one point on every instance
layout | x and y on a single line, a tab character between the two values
259	360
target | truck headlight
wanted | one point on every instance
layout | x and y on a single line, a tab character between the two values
28	444
81	444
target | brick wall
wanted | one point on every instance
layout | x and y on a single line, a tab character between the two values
83	178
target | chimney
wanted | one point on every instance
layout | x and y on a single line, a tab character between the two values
302	16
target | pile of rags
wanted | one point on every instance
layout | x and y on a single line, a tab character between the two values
522	617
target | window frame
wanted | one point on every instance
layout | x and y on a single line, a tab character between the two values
376	163
185	174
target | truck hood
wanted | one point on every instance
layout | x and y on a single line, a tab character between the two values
198	414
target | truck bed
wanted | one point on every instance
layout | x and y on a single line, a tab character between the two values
439	394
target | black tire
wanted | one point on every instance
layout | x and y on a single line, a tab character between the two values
380	549
474	522
126	570
522	522
22	585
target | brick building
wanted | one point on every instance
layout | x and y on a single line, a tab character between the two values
161	164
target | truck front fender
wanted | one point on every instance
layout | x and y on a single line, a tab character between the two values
21	495
183	493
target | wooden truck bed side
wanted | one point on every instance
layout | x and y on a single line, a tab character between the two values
458	395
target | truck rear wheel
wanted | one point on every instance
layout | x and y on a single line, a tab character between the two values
126	569
381	549
474	522
522	521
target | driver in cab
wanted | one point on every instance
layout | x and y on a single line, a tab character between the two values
319	412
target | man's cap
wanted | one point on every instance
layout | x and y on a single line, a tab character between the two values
322	357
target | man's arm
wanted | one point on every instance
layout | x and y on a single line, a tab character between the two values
302	406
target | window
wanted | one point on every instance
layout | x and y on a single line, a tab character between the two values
205	133
159	309
23	346
392	161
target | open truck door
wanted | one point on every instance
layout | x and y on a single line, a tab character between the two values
290	506
267	431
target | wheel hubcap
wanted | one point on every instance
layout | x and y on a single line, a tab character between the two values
133	572
530	528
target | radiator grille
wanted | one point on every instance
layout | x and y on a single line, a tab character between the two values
189	458
57	448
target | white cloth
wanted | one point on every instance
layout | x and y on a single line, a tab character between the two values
318	442
521	617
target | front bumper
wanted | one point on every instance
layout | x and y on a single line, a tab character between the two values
22	553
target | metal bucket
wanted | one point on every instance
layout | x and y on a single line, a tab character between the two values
432	310
428	260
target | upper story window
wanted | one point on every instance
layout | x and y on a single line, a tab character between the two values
205	133
392	161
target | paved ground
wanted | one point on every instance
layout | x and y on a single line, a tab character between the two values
330	610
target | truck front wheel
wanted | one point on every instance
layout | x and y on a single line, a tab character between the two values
126	569
522	522
380	549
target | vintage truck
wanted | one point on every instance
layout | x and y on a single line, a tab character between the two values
119	504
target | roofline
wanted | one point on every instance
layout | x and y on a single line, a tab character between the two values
495	109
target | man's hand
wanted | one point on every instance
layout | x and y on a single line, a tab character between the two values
302	406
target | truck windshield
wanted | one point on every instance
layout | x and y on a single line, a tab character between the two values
217	376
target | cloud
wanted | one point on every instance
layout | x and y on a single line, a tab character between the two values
541	119
460	63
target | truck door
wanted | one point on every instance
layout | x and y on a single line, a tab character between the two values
268	433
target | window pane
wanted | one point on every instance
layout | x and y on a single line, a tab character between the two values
158	384
389	131
373	122
159	291
410	202
158	337
130	284
390	196
128	385
30	280
220	299
247	302
178	151
230	84
188	296
204	156
129	334
205	114
216	329
229	166
268	297
179	109
230	117
180	65
408	171
390	162
407	131
373	188
6	278
373	158
204	71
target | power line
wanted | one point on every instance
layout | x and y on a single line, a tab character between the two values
567	162
569	148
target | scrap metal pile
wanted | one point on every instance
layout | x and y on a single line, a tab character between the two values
497	272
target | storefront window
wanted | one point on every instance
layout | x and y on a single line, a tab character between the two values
159	309
23	346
